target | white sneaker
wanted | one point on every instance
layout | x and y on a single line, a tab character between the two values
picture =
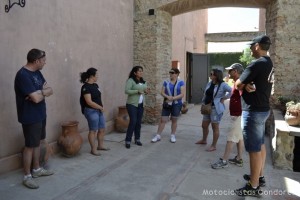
156	138
173	139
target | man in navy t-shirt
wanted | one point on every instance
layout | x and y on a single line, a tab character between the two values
256	84
31	90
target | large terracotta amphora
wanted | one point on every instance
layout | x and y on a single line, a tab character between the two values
122	120
70	140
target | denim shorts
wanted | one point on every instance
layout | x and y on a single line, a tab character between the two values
214	117
253	125
34	133
174	112
95	119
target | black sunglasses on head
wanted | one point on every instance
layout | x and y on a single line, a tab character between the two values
43	54
171	72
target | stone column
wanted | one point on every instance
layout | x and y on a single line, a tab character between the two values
152	50
282	25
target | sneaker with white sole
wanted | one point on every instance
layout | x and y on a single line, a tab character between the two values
30	183
156	138
262	180
248	190
238	162
173	138
219	164
41	172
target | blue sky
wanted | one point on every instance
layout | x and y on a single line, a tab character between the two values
231	20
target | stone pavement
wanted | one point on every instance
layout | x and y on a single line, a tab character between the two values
159	171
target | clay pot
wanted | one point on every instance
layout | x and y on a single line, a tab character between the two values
122	120
70	140
292	120
293	112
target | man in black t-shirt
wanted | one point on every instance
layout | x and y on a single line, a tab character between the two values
256	90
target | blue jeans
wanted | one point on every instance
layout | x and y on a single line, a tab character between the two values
95	119
253	126
135	122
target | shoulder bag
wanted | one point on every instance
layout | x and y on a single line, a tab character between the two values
206	109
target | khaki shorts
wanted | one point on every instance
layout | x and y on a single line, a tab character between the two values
235	132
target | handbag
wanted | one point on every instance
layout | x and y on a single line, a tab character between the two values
206	109
166	105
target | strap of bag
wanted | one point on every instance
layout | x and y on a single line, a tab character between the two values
174	88
217	91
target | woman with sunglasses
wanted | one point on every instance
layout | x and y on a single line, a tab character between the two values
216	92
173	91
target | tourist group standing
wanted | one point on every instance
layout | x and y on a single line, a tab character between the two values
248	106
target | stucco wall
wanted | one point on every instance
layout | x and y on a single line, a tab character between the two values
76	35
188	35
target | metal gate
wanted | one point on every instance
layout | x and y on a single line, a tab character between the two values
197	76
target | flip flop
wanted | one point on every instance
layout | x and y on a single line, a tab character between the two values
95	154
103	149
210	149
201	142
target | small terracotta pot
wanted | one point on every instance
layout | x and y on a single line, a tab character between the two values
292	120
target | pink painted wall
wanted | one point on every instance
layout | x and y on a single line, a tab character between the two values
188	35
76	35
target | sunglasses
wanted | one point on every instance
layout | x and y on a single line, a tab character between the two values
212	74
171	72
252	45
43	54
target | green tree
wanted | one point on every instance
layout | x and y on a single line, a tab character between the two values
246	57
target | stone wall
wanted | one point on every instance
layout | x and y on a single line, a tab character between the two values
152	50
282	143
282	24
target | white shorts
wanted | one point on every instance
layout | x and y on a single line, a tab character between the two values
235	132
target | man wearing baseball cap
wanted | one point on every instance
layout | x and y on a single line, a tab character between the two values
235	133
256	87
